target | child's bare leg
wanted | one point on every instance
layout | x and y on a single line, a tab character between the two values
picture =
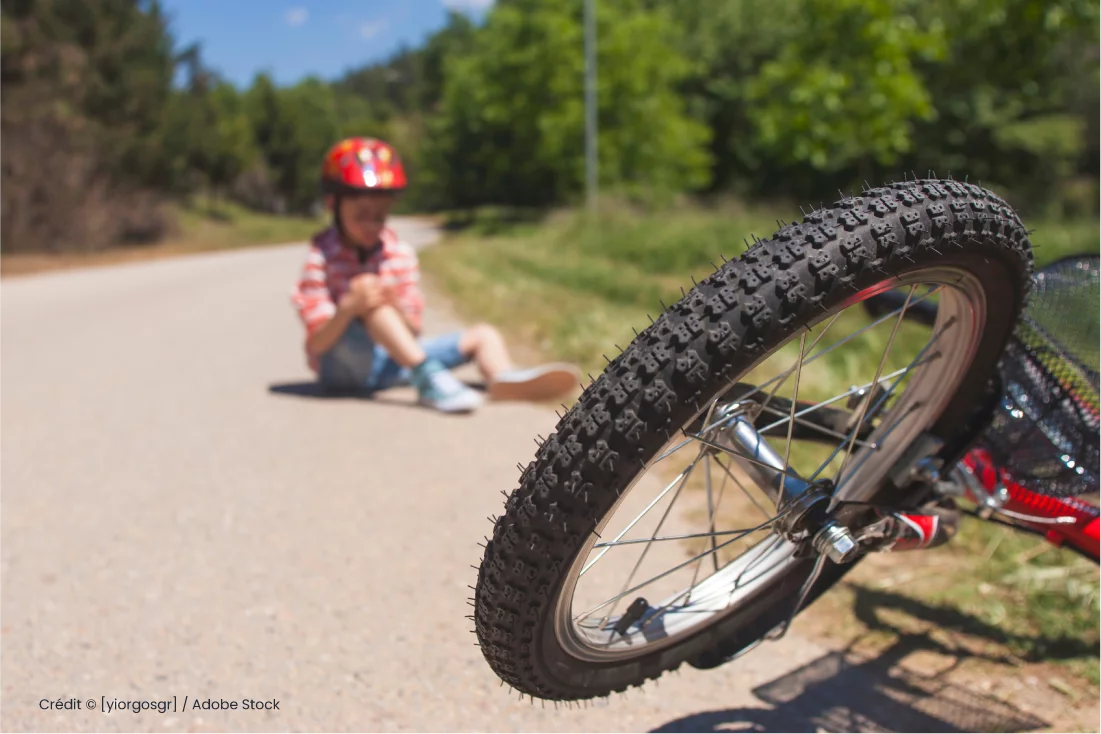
436	387
386	327
486	345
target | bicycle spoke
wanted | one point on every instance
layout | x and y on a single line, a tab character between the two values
753	564
686	536
673	450
887	394
680	477
674	569
864	458
711	509
686	594
819	564
712	512
706	429
741	486
649	542
802	355
791	425
739	455
783	376
711	506
821	429
844	341
836	398
878	371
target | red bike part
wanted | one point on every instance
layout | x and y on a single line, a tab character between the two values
907	531
1084	533
923	529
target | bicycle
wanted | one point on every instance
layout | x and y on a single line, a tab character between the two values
982	400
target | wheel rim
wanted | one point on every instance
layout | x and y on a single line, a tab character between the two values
915	397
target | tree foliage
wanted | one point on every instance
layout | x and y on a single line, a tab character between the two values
511	125
104	115
844	90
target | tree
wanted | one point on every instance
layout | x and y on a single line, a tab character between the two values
307	125
729	41
1010	92
234	148
844	90
453	41
510	129
85	87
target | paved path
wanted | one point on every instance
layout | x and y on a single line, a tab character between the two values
182	518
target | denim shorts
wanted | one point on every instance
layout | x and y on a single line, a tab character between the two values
357	364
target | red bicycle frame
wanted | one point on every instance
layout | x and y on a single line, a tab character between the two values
1061	520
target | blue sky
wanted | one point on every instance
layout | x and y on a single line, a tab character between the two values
298	38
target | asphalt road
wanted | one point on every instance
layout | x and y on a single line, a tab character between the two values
182	517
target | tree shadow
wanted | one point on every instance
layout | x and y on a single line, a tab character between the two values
869	604
844	691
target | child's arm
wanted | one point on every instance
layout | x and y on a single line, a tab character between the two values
408	298
325	337
324	320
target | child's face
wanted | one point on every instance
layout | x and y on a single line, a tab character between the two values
364	217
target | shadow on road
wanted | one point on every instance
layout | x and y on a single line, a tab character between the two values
313	389
305	390
848	692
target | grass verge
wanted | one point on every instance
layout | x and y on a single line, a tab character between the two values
574	289
204	228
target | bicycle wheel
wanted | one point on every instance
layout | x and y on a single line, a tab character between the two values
641	536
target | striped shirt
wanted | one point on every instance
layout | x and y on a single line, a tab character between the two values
330	268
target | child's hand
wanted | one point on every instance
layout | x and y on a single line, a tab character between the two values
365	294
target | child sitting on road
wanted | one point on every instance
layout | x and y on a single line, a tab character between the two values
361	304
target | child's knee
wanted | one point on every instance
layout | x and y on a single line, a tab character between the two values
479	334
488	331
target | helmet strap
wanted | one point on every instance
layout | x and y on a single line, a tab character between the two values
336	217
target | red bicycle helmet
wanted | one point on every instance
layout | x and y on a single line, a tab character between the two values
362	165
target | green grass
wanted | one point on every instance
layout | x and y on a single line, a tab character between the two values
226	225
1002	603
574	289
1043	598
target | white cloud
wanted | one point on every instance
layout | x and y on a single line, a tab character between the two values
369	30
467	4
296	16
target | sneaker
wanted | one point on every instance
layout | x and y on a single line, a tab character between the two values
537	383
437	388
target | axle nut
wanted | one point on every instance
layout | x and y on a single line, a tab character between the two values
836	542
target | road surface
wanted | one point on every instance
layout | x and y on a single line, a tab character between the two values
183	517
